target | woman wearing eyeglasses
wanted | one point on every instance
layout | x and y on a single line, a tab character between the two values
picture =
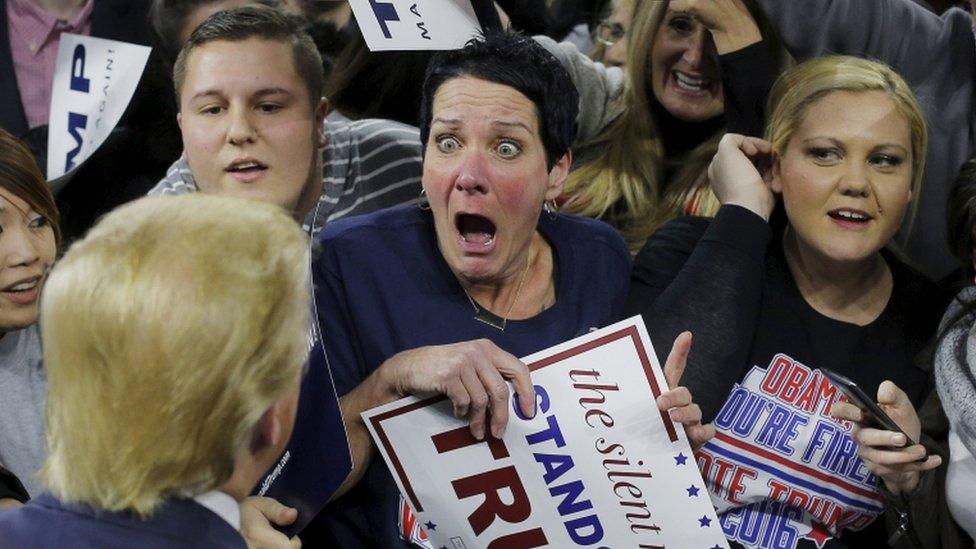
610	38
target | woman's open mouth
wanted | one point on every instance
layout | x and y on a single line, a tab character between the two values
693	85
850	218
24	292
475	232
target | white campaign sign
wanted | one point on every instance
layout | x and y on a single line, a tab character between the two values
415	24
598	465
94	80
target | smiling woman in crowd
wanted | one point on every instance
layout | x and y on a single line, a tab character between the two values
773	295
397	289
29	238
647	133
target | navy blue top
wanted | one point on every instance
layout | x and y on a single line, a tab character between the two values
46	522
383	287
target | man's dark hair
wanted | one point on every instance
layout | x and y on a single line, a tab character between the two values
168	17
262	22
519	62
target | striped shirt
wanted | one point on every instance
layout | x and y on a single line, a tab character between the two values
366	165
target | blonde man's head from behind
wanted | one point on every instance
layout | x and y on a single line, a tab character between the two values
174	334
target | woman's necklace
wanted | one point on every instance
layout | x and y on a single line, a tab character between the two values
482	314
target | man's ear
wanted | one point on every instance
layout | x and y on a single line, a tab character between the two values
557	176
268	431
179	120
321	111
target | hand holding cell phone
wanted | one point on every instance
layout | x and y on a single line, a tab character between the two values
885	431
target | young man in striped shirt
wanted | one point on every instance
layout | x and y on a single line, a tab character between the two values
255	126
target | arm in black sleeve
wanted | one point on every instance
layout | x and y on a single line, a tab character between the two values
11	487
747	76
706	278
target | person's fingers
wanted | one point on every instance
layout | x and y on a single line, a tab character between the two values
698	435
881	438
674	367
459	397
257	516
890	395
846	411
687	415
753	146
889	457
478	408
497	390
296	542
273	510
901	469
679	396
517	372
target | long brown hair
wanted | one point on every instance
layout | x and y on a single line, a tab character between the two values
623	183
20	175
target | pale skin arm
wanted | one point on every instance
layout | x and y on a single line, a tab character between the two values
729	22
885	452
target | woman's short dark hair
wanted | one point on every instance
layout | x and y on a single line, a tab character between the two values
513	60
20	175
243	23
168	17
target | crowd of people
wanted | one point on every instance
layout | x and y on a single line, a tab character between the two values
789	185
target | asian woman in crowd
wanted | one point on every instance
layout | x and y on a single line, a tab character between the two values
441	298
29	238
173	349
793	275
647	133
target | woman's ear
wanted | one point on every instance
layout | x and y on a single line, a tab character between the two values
775	175
557	176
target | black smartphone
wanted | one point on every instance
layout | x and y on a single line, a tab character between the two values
873	414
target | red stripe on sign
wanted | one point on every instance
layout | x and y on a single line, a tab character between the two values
377	422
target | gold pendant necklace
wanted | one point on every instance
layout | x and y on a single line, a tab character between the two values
482	314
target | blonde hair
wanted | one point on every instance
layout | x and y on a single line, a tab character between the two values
805	84
168	331
623	183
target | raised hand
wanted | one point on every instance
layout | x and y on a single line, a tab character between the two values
729	22
678	402
739	173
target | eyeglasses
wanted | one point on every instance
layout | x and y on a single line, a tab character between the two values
608	32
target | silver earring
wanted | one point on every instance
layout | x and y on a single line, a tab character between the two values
549	207
422	202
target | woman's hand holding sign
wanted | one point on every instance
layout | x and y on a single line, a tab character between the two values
678	401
